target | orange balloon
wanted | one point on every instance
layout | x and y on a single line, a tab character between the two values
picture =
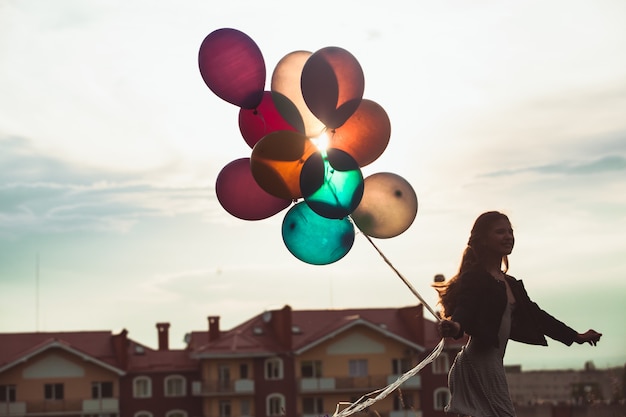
277	160
287	94
388	206
365	135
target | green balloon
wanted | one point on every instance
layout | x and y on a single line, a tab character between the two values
332	183
315	239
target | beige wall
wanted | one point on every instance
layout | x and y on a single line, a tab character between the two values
57	366
358	343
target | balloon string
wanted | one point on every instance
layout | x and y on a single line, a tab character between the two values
369	399
406	282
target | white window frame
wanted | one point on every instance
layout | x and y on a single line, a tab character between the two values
436	393
148	383
441	364
142	414
270	405
176	413
183	385
273	368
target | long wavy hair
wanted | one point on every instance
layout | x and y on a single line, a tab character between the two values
473	256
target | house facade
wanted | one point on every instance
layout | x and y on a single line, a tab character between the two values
311	363
95	374
60	374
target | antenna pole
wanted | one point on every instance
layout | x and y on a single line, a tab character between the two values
37	292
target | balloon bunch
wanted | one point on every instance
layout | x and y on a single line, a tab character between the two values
310	135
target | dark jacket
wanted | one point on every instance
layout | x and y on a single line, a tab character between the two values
481	303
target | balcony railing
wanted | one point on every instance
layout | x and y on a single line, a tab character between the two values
356	383
12	409
102	405
207	388
78	406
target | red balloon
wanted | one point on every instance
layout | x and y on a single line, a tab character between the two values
265	119
332	85
365	135
277	161
232	66
241	196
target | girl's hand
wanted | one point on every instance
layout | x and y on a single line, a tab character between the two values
449	328
590	336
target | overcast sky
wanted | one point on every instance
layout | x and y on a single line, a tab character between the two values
110	145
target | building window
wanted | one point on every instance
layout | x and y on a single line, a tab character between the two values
223	376
142	387
357	367
313	405
311	369
53	391
245	407
441	364
143	414
176	413
175	386
225	408
243	371
101	390
275	405
400	366
441	398
7	393
274	368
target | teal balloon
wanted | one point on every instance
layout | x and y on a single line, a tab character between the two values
332	183
315	239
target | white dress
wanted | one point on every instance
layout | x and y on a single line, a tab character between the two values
477	380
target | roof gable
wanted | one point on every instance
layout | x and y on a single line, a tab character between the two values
93	346
18	351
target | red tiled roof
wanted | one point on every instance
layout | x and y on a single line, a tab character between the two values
95	344
160	360
257	337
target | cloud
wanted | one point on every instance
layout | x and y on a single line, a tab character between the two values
605	164
43	194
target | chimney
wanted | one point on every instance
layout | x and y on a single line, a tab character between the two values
214	328
164	338
120	348
282	325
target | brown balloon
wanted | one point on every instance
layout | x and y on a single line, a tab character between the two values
388	206
365	135
277	160
332	85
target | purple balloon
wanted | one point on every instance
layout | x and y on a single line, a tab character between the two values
232	66
240	195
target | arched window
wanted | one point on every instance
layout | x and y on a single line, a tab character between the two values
175	386
441	364
176	413
142	387
142	414
441	398
275	405
274	368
